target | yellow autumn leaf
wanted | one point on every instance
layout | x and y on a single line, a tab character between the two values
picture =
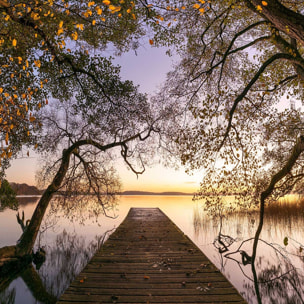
106	2
14	42
196	5
264	3
75	35
37	63
60	31
79	26
259	8
93	22
98	10
114	8
88	13
91	3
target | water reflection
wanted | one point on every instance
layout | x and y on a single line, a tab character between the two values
278	265
63	262
69	244
8	296
58	258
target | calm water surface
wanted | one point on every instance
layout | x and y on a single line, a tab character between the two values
70	243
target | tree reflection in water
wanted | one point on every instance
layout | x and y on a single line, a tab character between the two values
63	263
279	268
65	260
279	280
8	296
65	256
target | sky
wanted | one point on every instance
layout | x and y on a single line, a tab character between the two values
148	68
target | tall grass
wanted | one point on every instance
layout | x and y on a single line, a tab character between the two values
286	212
288	206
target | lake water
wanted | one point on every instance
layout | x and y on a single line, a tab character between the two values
70	243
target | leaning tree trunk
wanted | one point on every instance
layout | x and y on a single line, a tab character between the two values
28	238
283	18
295	154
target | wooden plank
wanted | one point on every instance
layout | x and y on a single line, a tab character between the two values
149	260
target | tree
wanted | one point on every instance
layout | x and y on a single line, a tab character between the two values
240	60
41	43
49	48
237	65
77	138
7	197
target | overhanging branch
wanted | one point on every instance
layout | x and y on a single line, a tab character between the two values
240	97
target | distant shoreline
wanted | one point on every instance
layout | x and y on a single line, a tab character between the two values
130	193
166	193
27	190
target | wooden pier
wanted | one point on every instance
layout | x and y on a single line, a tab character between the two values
149	260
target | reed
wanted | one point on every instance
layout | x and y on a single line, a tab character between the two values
289	206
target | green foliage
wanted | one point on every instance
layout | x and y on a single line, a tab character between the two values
7	197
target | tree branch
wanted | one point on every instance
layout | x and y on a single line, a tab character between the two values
249	86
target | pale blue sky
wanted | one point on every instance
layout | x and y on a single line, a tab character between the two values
148	69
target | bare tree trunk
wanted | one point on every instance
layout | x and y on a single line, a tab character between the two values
29	236
35	285
296	152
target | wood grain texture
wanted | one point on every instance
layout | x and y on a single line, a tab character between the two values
149	260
